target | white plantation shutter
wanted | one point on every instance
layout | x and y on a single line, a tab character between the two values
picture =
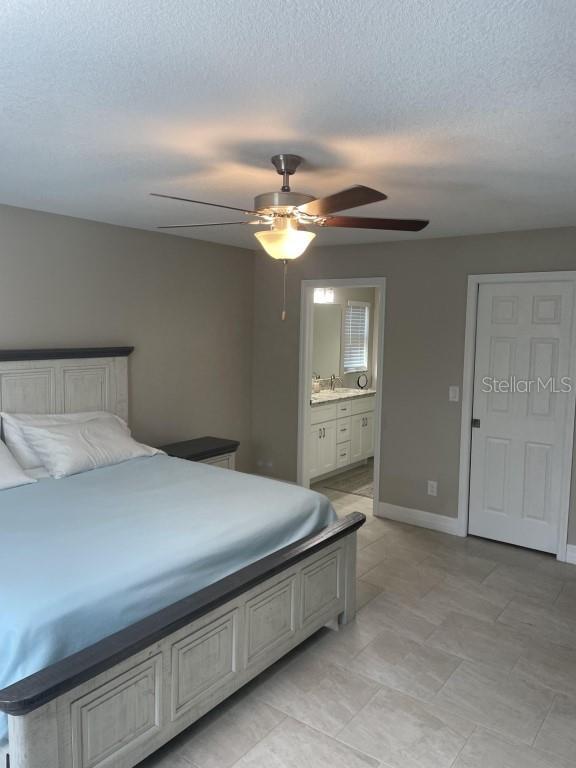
356	331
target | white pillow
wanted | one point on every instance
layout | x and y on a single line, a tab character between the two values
67	449
19	447
11	473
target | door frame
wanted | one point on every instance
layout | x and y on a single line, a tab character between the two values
474	282
305	370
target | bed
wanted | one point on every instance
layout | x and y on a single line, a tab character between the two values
137	597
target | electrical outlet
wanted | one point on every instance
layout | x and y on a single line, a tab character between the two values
432	488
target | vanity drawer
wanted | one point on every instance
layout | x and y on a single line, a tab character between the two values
343	454
363	405
343	430
322	413
343	408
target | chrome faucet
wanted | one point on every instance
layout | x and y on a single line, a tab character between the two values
333	380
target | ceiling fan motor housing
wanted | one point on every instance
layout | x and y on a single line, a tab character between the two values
282	200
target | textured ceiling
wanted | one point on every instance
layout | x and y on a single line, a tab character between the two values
462	112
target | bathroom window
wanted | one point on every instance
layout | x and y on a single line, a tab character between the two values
356	335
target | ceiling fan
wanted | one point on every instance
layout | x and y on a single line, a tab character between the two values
286	212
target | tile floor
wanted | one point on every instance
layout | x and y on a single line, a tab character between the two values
463	655
358	480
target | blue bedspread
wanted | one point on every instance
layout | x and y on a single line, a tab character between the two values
88	555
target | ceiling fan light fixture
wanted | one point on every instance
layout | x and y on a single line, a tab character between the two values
284	241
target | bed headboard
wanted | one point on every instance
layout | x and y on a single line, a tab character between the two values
65	380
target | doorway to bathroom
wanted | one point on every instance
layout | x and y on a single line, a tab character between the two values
340	387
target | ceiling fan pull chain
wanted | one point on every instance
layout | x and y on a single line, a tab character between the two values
285	262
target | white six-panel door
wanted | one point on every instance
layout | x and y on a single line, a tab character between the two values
524	338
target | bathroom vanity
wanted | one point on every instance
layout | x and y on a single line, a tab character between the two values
341	429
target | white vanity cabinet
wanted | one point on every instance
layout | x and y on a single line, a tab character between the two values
361	436
323	448
341	433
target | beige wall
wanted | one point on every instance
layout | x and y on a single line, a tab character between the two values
424	349
205	321
185	305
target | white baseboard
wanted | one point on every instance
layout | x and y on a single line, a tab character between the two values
571	554
421	518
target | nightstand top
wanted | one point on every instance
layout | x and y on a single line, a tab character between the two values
201	448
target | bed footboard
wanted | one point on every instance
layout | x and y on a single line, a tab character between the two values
116	702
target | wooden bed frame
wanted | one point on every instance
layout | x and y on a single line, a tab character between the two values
117	701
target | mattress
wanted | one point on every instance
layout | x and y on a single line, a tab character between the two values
91	554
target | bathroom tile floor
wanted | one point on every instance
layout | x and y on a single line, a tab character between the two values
462	655
358	480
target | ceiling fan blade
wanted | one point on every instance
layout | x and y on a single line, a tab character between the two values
342	201
213	224
201	202
403	225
